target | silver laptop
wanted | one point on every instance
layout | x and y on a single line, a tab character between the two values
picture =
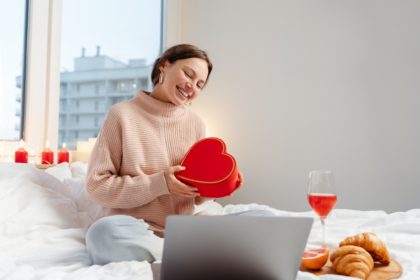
233	247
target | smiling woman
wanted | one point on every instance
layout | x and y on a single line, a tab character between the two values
138	152
180	79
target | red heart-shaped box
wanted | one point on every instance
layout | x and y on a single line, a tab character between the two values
210	168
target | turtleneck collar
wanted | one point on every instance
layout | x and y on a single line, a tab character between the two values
157	107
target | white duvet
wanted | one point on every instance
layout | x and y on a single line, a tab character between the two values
44	216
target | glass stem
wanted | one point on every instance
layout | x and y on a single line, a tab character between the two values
324	245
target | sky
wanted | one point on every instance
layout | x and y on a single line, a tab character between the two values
11	54
124	29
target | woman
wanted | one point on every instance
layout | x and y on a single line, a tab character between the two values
138	151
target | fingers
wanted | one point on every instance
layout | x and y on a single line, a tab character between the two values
177	168
241	179
184	190
187	190
240	183
176	186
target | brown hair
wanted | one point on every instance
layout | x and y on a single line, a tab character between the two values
182	51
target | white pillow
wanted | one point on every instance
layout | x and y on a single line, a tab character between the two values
60	171
29	196
40	223
78	169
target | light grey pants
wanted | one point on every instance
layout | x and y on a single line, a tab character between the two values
125	238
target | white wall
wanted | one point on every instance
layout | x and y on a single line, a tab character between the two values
302	85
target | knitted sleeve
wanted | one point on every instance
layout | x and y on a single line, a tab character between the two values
104	184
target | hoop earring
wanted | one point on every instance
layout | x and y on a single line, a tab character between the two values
161	77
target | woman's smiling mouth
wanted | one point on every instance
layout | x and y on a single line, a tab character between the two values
182	93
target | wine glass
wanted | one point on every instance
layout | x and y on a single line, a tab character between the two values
322	195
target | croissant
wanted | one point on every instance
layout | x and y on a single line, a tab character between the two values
371	243
353	261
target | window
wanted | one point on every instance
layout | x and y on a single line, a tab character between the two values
63	105
144	82
63	88
109	53
13	18
123	86
97	88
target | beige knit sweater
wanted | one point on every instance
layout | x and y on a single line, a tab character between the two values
140	138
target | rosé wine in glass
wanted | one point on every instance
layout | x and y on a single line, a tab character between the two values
322	195
321	203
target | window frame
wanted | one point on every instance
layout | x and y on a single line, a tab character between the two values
24	69
42	73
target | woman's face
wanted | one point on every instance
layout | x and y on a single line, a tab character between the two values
184	80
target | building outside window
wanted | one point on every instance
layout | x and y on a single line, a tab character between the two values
106	56
13	18
97	88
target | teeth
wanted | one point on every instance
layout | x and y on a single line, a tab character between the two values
183	93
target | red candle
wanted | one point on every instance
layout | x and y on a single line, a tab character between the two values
47	156
21	155
63	155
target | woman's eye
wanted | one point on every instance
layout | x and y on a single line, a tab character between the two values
188	74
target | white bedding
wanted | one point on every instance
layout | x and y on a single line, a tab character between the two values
44	216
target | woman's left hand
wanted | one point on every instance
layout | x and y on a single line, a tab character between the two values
241	179
241	182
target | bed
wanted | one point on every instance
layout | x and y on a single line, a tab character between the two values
44	216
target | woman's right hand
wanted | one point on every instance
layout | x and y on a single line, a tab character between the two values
177	187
